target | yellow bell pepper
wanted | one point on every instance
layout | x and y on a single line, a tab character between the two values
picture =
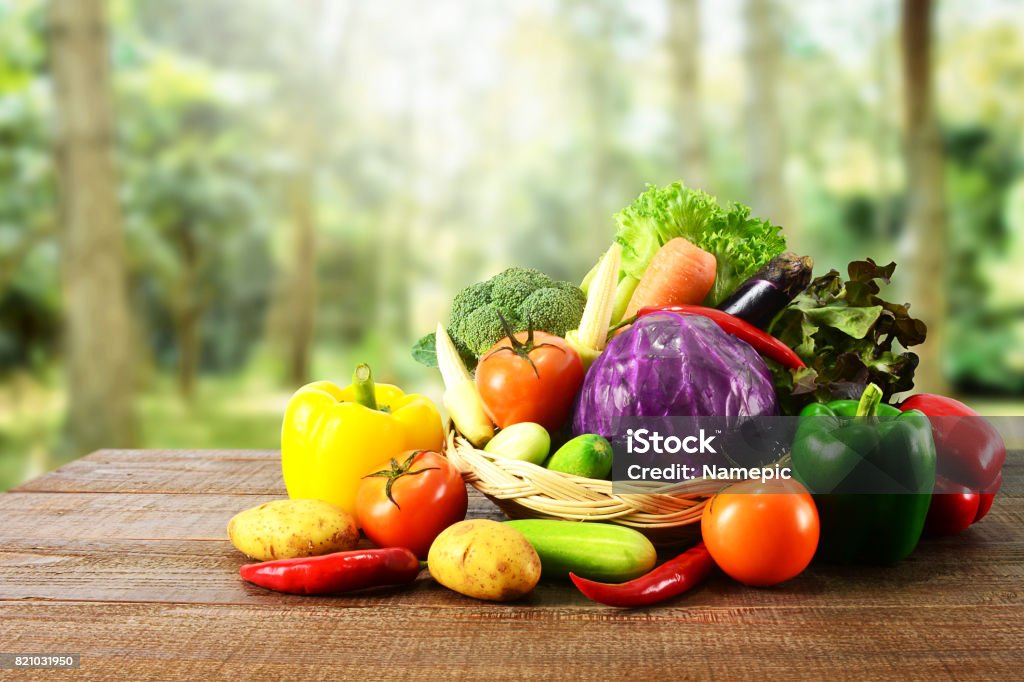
332	437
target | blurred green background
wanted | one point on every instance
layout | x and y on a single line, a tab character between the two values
206	203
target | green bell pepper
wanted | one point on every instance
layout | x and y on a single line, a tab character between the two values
871	469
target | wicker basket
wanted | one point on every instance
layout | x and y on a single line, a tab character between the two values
526	491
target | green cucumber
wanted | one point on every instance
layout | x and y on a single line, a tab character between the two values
596	551
589	456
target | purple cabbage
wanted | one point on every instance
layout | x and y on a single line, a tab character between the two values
668	364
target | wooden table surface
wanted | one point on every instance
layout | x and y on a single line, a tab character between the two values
122	557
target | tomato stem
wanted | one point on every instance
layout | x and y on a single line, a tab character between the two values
397	471
521	348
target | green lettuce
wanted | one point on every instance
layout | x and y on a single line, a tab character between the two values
848	336
741	244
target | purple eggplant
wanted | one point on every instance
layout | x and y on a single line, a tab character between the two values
760	298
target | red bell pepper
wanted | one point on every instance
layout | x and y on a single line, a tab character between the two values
763	342
955	507
969	463
339	572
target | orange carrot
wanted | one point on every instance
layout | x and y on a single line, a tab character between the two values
680	273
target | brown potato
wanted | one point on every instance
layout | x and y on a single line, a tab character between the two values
285	529
484	559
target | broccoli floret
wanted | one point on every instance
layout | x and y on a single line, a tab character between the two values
513	286
463	349
482	328
555	309
571	288
518	293
469	299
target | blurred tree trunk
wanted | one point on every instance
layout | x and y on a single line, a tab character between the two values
188	309
684	43
397	276
97	325
301	287
925	238
187	324
398	229
880	134
766	147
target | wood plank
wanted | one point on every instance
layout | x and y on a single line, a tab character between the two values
168	474
58	537
118	516
138	516
229	472
505	642
150	535
235	472
107	512
145	455
984	566
183	573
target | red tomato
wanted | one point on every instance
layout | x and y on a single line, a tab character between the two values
533	377
411	503
761	533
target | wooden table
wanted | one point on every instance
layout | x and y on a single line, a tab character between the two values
122	557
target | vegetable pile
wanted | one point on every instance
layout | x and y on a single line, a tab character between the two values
696	309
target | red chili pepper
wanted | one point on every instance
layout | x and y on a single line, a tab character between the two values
338	572
970	455
763	342
670	579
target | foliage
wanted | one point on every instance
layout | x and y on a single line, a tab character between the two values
849	337
193	207
29	287
444	142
